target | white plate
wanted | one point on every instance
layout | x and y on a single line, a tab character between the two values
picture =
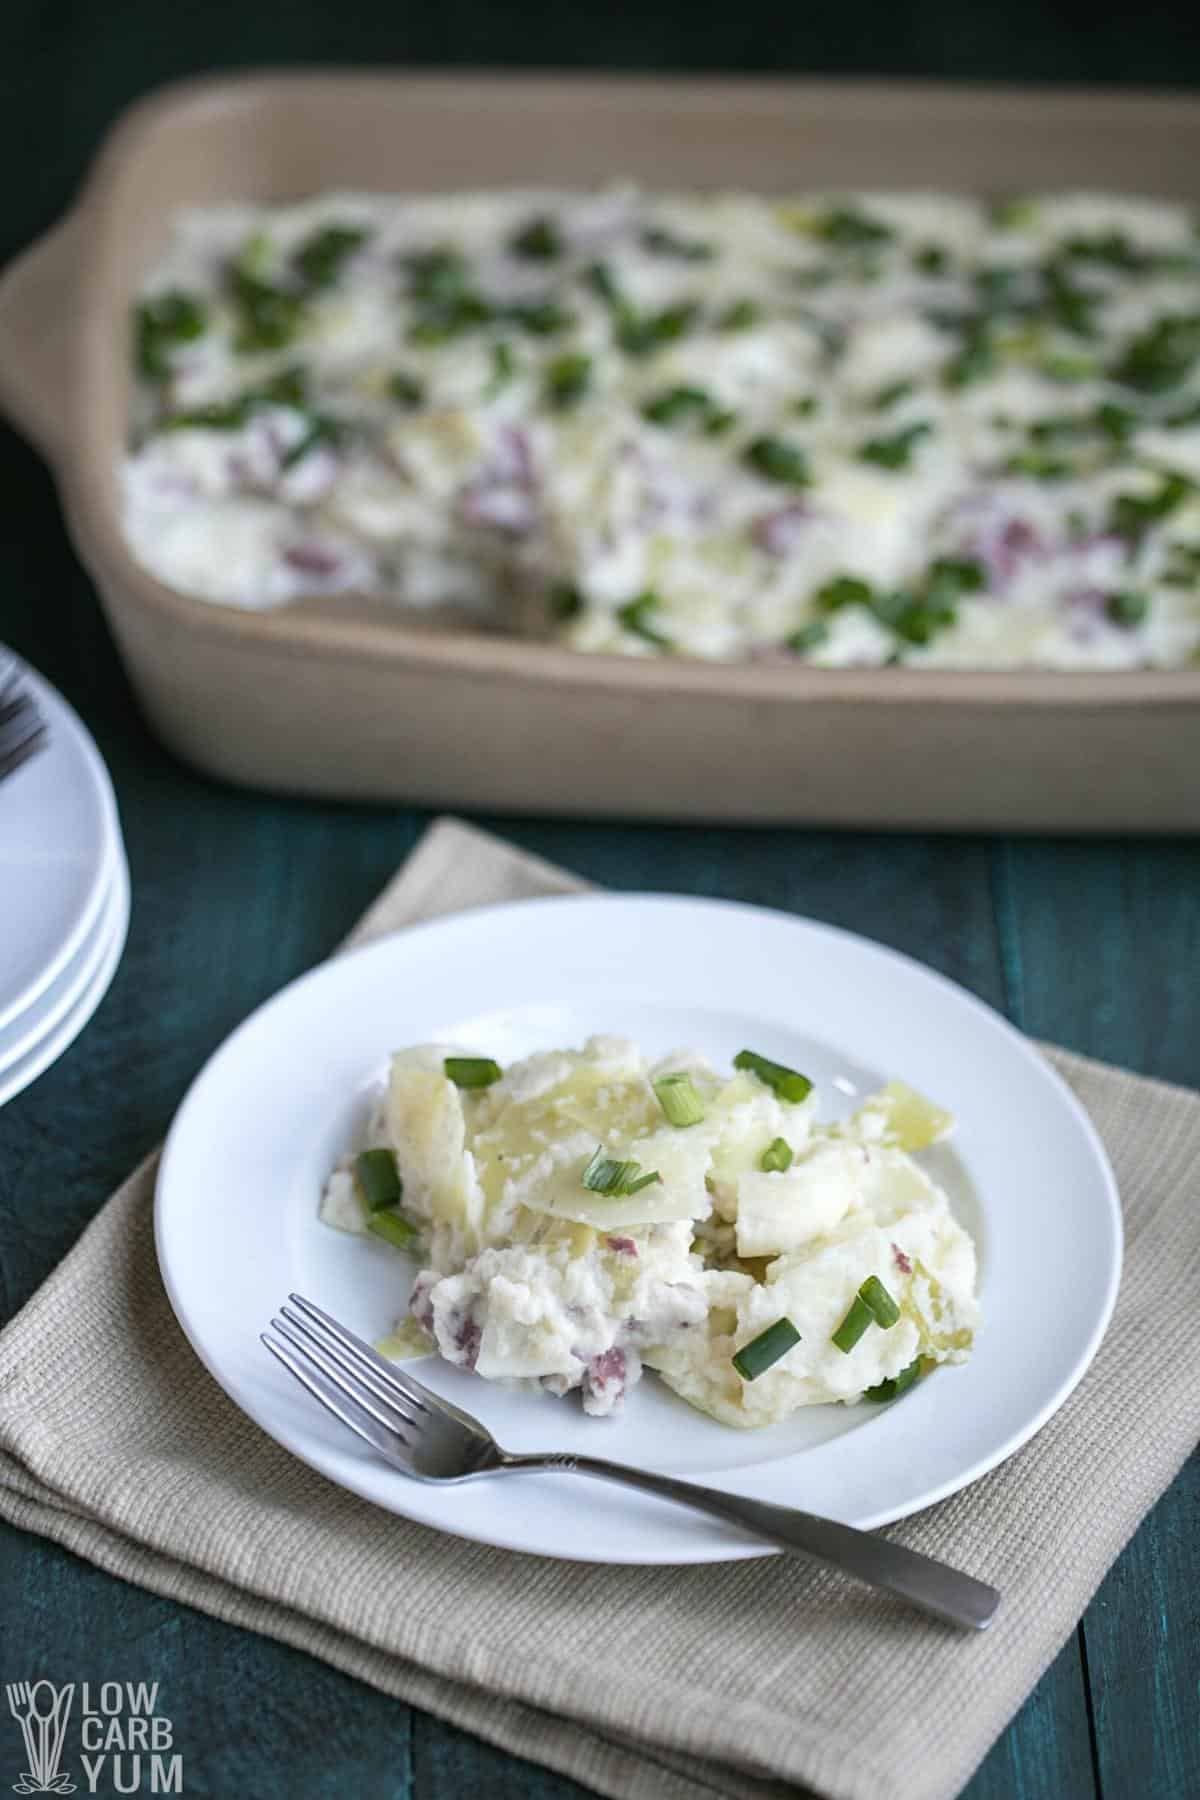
25	1032
237	1226
104	957
59	843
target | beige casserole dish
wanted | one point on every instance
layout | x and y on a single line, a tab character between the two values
346	699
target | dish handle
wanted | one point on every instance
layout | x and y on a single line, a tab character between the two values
39	323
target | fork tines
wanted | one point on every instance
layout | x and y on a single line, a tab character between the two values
22	729
346	1375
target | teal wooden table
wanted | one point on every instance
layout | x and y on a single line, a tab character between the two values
1094	944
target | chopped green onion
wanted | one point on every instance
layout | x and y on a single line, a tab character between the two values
1013	213
931	259
1133	514
640	333
884	1310
853	230
913	618
844	590
320	430
568	379
674	405
1038	466
615	1179
892	394
268	317
762	1352
566	602
378	1179
739	315
637	616
472	1071
962	573
719	420
406	390
852	1327
437	277
540	240
1127	608
504	367
895	452
1162	356
789	1084
318	261
975	361
170	318
393	1228
778	461
661	242
603	283
541	317
895	1385
678	1098
806	406
777	1157
809	637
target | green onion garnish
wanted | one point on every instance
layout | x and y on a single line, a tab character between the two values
1127	608
1038	466
853	230
778	461
318	261
678	1098
740	315
853	1325
1161	357
566	602
1133	514
607	1175
406	390
170	318
776	1157
661	242
678	404
809	637
540	240
896	1385
931	259
844	590
378	1179
541	317
789	1084
895	452
393	1228
892	394
884	1310
975	361
320	430
638	616
568	379
504	367
472	1071
640	333
268	317
762	1352
603	283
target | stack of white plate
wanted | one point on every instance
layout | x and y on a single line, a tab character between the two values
64	892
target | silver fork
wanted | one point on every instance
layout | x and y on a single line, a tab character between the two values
417	1431
22	728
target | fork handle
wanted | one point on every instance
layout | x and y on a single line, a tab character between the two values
933	1587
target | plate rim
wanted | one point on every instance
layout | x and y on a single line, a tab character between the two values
47	1049
52	700
706	1552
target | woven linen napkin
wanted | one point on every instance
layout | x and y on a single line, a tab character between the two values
743	1679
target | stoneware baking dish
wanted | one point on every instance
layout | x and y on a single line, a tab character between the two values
347	699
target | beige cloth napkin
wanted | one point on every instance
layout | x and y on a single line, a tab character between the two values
650	1684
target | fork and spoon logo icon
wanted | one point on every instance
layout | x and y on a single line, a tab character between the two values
42	1711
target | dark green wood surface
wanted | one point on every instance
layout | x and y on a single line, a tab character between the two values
1095	944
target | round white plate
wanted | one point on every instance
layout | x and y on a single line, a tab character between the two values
25	1032
104	956
59	843
238	1190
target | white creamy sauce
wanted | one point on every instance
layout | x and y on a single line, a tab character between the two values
533	1269
848	430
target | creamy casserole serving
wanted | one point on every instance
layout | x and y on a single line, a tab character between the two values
583	1214
856	429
